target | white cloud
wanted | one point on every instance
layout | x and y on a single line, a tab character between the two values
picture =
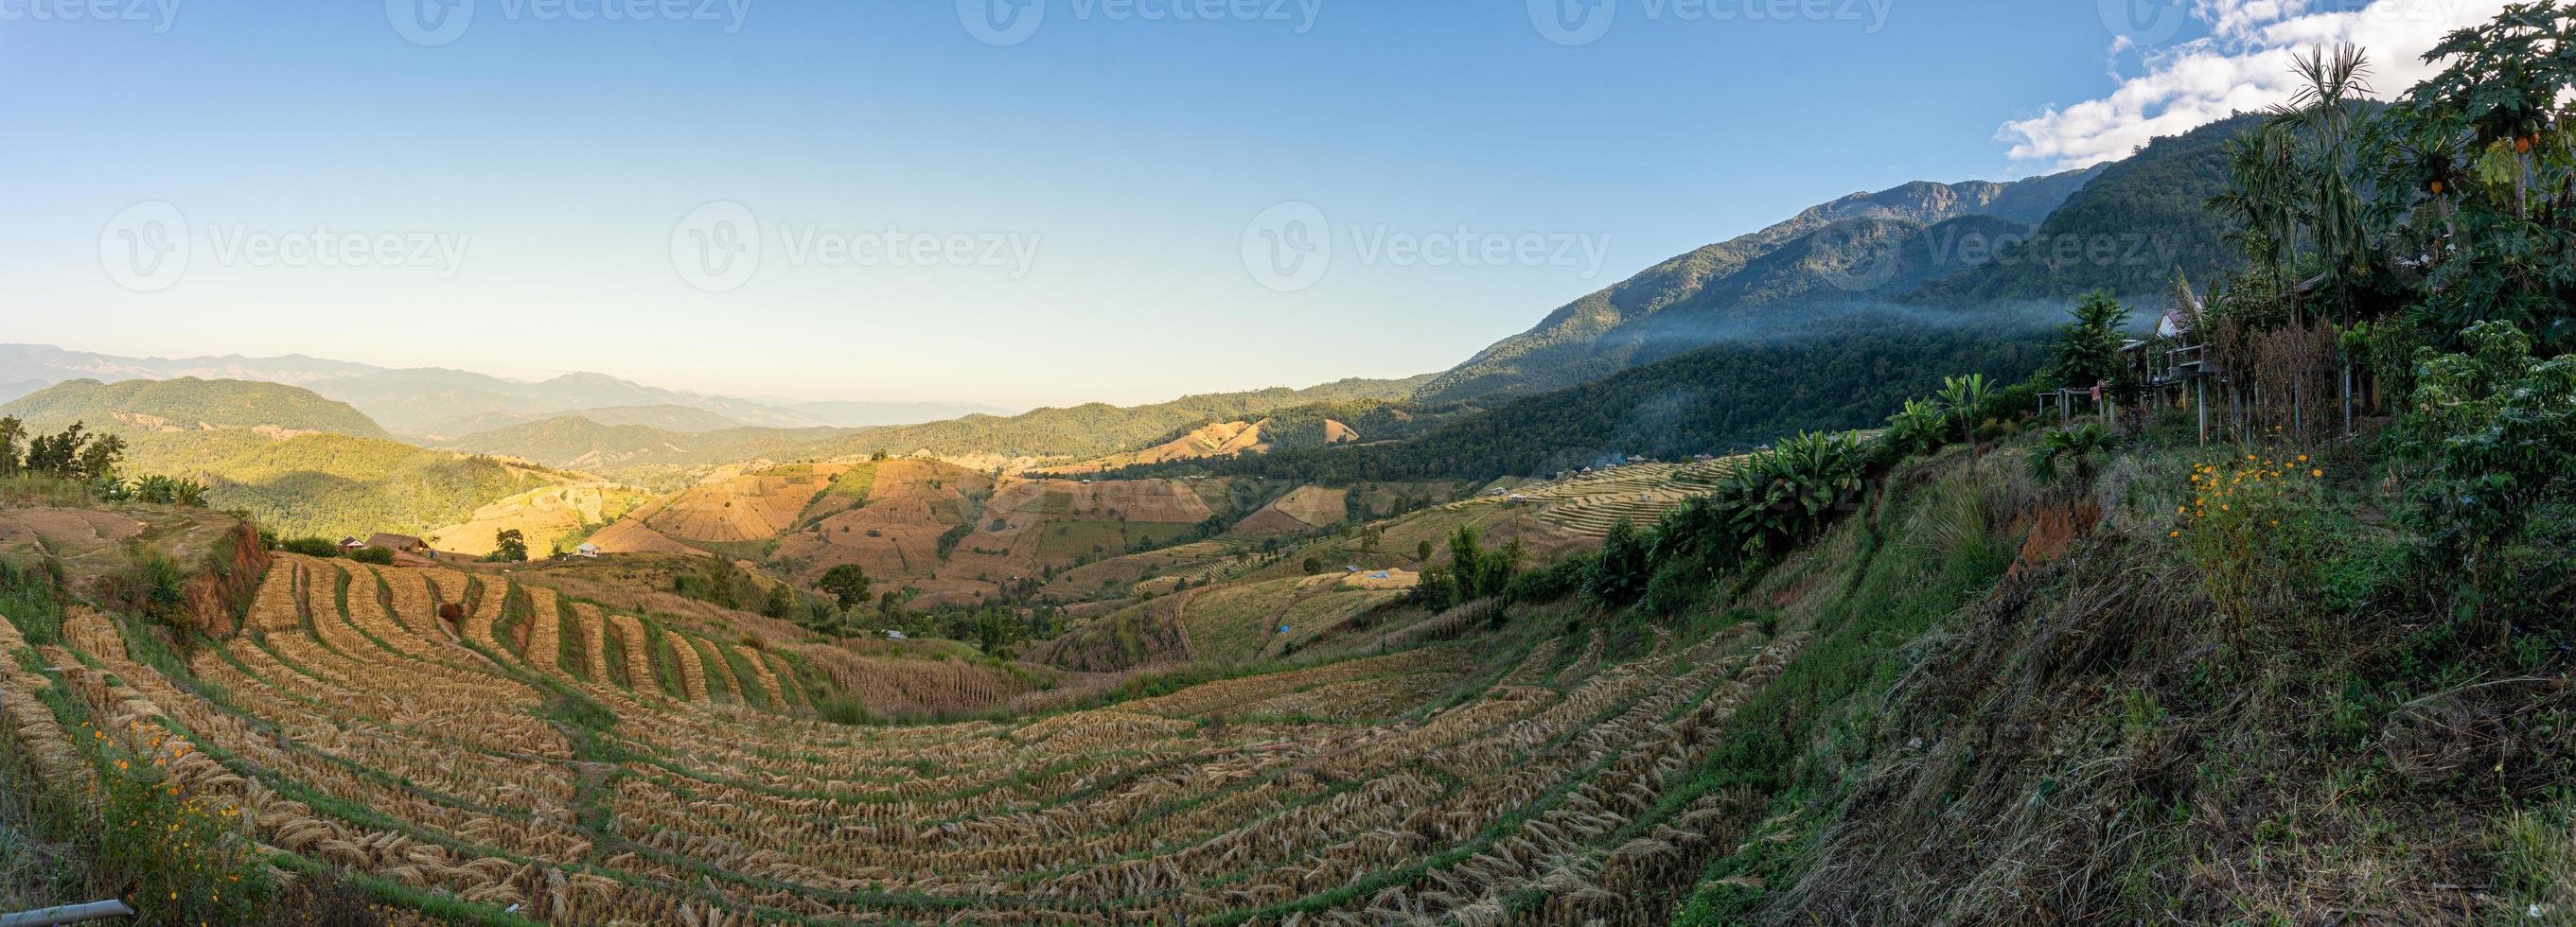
2243	64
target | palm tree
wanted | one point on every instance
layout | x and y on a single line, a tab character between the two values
2077	448
2324	112
2260	195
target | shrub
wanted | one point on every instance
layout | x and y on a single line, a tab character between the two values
150	585
2230	525
844	709
310	547
2492	438
186	856
1619	574
380	556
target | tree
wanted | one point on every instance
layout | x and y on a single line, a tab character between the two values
57	454
2324	112
2088	345
98	461
2460	156
1313	566
11	432
847	584
1618	575
1423	550
508	546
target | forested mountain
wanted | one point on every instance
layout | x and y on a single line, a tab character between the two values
1095	429
188	404
1846	372
1606	331
2146	215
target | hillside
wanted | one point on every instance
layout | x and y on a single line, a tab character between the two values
1850	371
868	414
548	519
635	452
333	485
665	417
1603	332
1835	733
2148	208
189	403
1096	429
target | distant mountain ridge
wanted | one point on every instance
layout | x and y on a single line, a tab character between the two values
1604	332
1968	253
419	401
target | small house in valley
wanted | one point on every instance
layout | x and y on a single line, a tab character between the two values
398	543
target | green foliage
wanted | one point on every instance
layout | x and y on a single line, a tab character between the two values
1849	374
380	556
1922	426
1782	497
1480	573
509	545
847	584
2491	441
1966	400
2079	448
2088	346
1618	575
2478	163
74	453
187	857
310	546
149	584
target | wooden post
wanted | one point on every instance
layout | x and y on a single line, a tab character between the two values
2201	385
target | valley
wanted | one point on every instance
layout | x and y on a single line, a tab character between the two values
2184	533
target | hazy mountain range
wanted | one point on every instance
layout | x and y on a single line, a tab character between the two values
436	403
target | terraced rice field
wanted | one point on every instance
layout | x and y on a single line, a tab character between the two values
1436	785
1588	504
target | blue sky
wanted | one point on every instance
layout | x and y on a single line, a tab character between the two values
1088	190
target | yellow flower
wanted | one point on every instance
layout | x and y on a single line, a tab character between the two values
2173	534
2319	474
2303	458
